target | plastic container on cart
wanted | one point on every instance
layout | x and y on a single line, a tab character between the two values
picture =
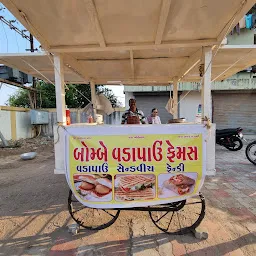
90	119
68	118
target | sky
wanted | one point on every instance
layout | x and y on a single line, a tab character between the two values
12	42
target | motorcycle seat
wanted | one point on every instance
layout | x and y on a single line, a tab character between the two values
226	131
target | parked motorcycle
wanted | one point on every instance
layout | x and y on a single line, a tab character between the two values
250	152
230	138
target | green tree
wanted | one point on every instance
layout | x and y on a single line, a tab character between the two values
77	96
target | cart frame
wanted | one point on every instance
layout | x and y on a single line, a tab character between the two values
159	25
170	209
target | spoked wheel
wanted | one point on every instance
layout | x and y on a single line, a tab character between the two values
251	152
182	219
235	144
90	218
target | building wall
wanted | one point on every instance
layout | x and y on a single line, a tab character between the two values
235	109
114	119
147	101
23	125
246	37
16	122
47	130
5	127
239	81
189	105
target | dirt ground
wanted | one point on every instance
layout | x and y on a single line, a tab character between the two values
34	216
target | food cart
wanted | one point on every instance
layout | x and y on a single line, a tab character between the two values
154	168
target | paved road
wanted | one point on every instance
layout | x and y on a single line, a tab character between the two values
34	217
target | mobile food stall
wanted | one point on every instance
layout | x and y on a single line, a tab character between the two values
154	168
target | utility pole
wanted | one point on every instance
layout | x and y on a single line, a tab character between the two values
32	91
31	39
32	94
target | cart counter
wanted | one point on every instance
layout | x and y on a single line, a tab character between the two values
134	165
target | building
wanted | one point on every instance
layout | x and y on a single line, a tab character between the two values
236	95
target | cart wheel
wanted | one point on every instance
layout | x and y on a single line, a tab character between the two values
181	220
90	218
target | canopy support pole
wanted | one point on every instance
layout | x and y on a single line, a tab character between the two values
206	85
60	89
175	98
207	111
93	99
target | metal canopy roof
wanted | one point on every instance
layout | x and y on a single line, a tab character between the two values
128	42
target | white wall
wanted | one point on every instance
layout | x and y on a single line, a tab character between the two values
23	128
189	105
23	125
5	124
15	123
114	119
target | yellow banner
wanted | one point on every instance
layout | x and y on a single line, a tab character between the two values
119	169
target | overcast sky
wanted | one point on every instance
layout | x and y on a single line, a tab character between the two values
11	42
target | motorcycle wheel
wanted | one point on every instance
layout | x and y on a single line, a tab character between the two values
236	144
250	151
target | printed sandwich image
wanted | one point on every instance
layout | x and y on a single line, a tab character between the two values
170	185
94	187
134	187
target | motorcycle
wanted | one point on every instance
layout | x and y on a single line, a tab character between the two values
230	138
250	152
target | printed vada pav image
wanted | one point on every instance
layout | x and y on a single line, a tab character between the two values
93	187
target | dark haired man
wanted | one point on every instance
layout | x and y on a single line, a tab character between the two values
133	115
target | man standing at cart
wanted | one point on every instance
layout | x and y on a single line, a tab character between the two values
133	115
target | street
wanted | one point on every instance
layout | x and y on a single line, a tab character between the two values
34	215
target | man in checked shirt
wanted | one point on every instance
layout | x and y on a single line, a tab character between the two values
133	115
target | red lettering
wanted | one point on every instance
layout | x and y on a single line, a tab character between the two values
102	155
134	154
93	154
170	151
193	153
142	154
78	155
149	155
116	154
86	154
181	153
126	152
157	150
